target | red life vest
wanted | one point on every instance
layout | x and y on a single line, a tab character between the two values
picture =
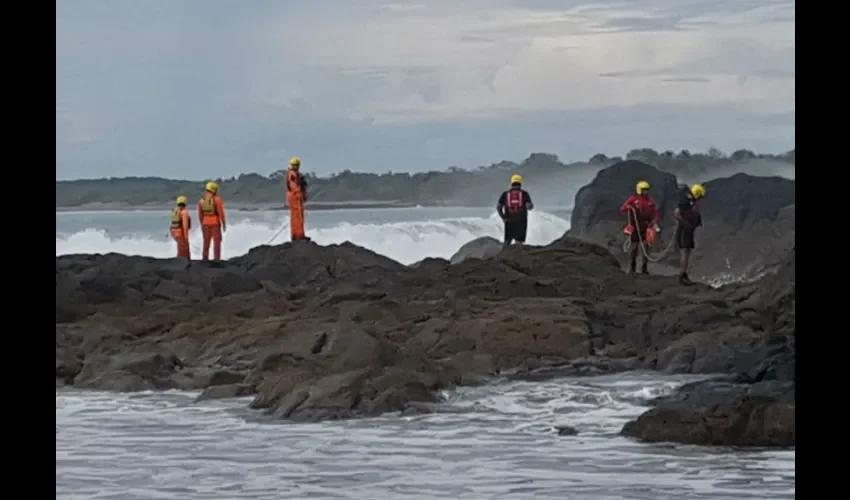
514	202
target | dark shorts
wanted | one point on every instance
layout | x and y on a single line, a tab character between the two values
685	238
515	230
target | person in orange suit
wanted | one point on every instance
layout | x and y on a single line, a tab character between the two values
296	195
181	223
213	220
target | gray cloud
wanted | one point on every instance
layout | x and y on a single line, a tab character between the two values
213	87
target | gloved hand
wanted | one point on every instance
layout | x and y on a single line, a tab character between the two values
657	228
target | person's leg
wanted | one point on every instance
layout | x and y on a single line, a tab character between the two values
509	234
521	231
205	250
303	217
215	235
685	243
296	221
633	253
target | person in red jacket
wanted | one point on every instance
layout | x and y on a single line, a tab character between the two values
642	213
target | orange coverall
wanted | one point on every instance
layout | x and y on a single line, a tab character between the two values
213	223
180	225
295	198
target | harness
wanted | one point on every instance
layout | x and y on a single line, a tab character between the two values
295	181
177	219
514	202
208	205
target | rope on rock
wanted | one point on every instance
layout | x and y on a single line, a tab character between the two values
627	244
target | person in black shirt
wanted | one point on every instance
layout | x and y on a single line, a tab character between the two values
688	219
513	207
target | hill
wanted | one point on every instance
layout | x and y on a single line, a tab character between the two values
550	180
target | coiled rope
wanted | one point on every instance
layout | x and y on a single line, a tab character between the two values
627	244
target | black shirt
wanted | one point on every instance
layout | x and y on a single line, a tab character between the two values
522	213
689	211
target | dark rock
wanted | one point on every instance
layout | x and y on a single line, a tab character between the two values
228	391
566	430
718	413
479	248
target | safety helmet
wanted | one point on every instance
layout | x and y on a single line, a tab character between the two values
181	200
295	162
698	190
212	187
516	179
641	187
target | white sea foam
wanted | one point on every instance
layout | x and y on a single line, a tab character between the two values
406	242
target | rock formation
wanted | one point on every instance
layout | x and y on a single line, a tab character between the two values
756	406
327	332
739	212
479	248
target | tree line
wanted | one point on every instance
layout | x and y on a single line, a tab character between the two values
433	187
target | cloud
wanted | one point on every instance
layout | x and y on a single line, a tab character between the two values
228	83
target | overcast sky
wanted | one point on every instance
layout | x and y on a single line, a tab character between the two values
207	88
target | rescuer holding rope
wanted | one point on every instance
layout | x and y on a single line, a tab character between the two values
642	226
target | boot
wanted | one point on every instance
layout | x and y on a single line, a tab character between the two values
632	267
643	268
685	280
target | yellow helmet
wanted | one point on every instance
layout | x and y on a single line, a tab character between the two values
212	187
641	187
295	162
698	190
516	179
181	200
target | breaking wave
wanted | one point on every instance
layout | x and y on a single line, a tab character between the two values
406	242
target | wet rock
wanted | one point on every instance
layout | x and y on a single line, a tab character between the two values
720	413
566	430
228	391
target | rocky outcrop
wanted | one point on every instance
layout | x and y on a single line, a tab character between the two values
748	221
479	248
326	332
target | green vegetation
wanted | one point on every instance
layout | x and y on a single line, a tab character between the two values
426	188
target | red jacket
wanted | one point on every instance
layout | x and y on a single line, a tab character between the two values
647	210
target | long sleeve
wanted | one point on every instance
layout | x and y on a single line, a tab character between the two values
219	208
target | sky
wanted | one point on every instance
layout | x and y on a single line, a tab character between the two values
212	88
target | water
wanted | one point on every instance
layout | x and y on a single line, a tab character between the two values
493	442
490	442
404	234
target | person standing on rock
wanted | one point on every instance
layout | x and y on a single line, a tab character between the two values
513	207
181	223
296	195
688	219
643	215
213	220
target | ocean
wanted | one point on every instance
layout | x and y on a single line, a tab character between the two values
492	442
